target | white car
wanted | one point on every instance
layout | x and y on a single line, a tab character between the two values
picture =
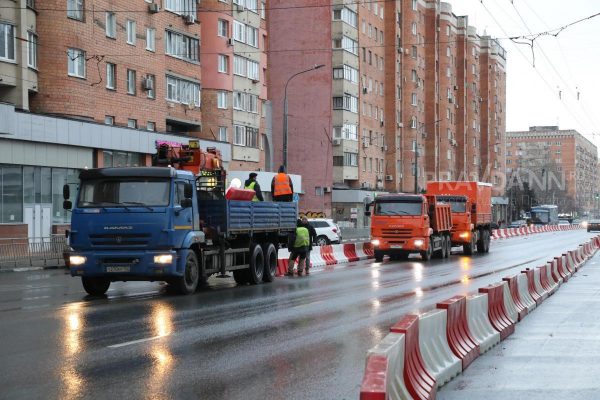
327	231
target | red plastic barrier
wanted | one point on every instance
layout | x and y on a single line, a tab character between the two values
513	285
368	249
327	254
419	382
496	311
531	286
374	383
350	252
561	268
544	279
554	272
568	266
458	334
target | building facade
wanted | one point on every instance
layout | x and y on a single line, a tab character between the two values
560	166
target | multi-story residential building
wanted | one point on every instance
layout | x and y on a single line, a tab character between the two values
417	108
234	84
560	166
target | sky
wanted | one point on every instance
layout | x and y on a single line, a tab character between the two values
566	66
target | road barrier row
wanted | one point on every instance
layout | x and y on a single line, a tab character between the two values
423	352
506	233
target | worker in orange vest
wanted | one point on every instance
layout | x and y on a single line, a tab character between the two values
281	186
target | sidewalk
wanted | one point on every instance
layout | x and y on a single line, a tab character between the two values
553	354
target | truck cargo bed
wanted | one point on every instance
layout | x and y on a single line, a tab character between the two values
235	217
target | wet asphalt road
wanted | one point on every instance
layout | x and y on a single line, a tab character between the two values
297	338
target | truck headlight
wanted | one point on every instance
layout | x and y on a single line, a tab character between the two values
419	242
375	242
163	259
584	224
464	235
76	260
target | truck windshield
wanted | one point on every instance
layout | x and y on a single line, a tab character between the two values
540	217
399	208
124	193
458	206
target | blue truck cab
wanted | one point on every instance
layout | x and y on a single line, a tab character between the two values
163	224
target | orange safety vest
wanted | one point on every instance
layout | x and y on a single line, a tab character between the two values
281	186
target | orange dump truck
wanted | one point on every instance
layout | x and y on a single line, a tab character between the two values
402	224
471	204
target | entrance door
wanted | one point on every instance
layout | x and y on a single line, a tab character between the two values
38	218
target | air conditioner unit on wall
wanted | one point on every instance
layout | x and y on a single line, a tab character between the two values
327	189
189	19
153	8
337	142
365	144
389	178
147	83
230	41
240	7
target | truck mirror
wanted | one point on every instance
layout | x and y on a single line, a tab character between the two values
186	203
367	213
188	191
66	192
67	205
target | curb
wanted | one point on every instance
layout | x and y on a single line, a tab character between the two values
416	360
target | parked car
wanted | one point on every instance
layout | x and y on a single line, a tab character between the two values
518	224
593	225
327	231
563	222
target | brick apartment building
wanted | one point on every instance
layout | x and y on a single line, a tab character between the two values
87	84
427	99
560	166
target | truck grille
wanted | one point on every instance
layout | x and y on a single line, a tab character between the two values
124	239
397	233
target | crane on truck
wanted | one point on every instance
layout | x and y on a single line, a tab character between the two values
172	222
471	204
402	224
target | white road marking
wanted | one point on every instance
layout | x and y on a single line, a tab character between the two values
115	346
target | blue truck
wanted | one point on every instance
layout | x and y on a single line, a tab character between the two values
172	225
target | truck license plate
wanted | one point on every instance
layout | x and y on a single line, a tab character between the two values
396	246
118	268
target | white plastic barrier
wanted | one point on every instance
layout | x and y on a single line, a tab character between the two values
316	260
433	343
564	265
338	253
524	295
360	253
509	303
538	284
392	347
479	322
552	268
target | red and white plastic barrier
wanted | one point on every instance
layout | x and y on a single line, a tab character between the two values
505	233
425	351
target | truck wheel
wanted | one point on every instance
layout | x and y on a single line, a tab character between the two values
378	256
447	247
481	242
95	286
257	265
469	248
270	254
487	239
426	254
188	283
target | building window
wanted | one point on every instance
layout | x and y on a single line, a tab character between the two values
413	122
262	9
346	15
109	120
131	32
253	68
151	86
111	76
31	50
414	5
75	9
131	88
223	28
132	123
182	7
239	31
150	39
414	52
7	42
252	36
111	25
182	46
245	136
183	91
414	28
222	100
222	133
245	102
346	72
76	62
347	44
413	99
348	103
350	159
223	64
240	66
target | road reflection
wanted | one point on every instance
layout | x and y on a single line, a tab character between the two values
161	320
73	324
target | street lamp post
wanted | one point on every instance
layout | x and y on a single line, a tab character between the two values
285	111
